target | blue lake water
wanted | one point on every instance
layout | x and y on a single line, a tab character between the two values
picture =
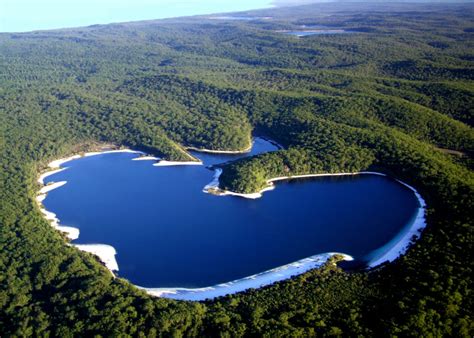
168	233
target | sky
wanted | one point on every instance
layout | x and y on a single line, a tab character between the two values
28	15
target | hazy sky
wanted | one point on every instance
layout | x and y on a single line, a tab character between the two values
27	15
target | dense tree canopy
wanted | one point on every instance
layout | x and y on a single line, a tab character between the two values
396	95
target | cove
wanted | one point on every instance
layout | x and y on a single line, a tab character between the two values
169	234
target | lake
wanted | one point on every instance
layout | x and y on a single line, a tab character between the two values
168	233
303	33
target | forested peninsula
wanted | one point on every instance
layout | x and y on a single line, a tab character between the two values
395	95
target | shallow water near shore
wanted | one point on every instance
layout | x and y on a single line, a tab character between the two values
168	233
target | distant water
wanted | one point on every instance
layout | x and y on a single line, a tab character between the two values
302	33
18	16
168	233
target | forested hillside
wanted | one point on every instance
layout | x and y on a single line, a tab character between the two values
396	94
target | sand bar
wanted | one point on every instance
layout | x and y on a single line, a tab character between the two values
146	158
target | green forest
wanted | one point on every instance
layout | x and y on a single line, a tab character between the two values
395	95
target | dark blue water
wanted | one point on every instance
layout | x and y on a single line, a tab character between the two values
168	233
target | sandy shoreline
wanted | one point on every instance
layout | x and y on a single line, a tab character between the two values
49	173
146	158
164	163
57	163
70	232
213	186
211	151
47	188
255	281
402	244
105	253
114	151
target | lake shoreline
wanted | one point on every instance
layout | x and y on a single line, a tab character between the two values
106	253
255	281
213	187
402	244
230	152
213	151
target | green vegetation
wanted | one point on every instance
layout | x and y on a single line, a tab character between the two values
249	176
388	97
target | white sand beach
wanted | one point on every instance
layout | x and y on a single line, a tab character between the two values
211	151
146	158
255	281
49	173
49	187
57	163
413	233
164	163
106	254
